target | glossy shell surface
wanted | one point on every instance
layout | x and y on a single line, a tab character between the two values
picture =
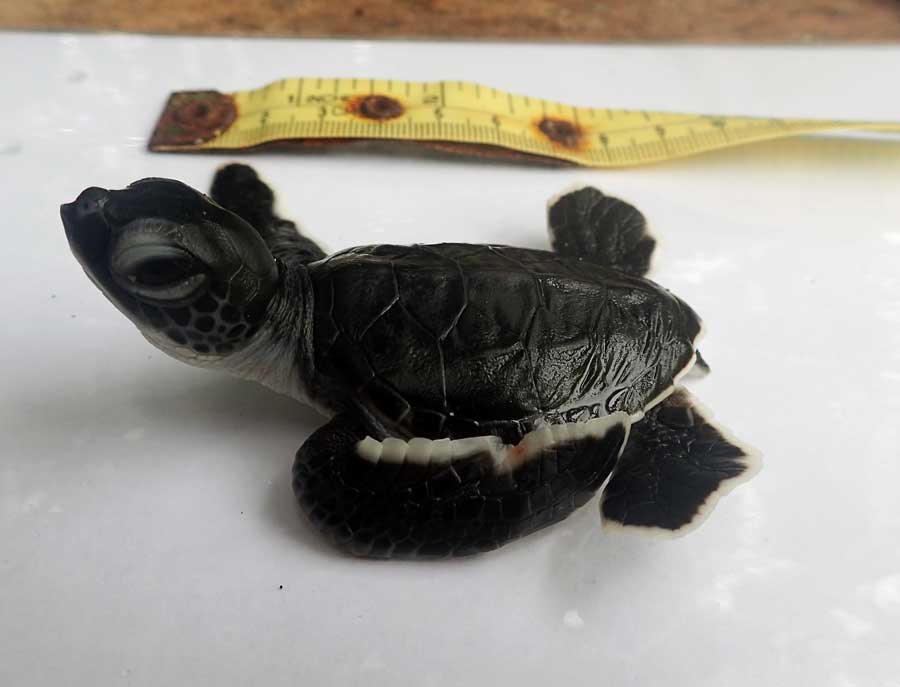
459	340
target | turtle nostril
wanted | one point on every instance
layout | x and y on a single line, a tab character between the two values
90	201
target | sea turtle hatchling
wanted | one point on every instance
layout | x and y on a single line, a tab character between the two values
476	393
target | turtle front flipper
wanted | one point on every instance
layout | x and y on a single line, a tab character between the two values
589	224
676	466
238	188
383	497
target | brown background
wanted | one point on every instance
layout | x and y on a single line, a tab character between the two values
571	20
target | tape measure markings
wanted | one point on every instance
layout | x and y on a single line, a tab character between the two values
460	112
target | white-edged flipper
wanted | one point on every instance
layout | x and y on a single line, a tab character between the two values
384	497
675	467
588	224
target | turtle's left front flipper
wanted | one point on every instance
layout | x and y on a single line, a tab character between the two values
675	467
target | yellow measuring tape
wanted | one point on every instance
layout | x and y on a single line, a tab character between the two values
480	118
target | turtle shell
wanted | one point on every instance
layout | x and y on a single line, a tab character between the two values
459	340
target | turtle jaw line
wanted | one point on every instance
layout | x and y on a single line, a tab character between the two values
180	352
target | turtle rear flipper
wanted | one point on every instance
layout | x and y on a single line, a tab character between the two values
674	469
589	224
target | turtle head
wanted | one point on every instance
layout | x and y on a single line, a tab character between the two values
195	278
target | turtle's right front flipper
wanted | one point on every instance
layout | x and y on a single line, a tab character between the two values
384	497
676	466
238	188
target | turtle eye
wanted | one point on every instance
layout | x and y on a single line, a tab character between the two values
158	271
153	265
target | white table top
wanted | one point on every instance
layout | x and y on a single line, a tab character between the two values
148	533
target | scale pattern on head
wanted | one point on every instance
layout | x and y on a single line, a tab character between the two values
195	278
211	324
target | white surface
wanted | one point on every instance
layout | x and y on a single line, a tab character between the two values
146	519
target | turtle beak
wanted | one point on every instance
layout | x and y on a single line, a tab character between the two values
90	235
86	227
